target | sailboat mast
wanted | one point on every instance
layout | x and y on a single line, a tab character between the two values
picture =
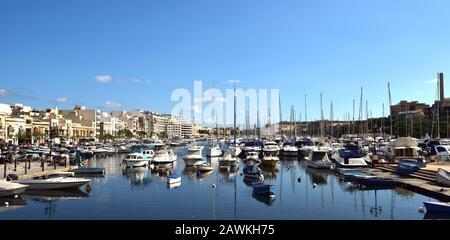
390	104
321	116
234	110
281	116
331	119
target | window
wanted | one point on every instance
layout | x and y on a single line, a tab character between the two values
441	149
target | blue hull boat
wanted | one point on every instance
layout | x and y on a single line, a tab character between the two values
407	168
437	207
89	171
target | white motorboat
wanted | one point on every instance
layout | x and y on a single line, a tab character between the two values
305	147
194	155
54	183
214	150
163	155
319	159
253	146
443	177
228	161
141	159
349	157
10	188
289	150
270	154
252	157
204	167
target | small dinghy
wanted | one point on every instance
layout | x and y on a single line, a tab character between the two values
437	207
263	188
443	177
11	188
54	183
173	178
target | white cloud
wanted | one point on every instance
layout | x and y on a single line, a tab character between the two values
3	92
110	104
103	79
61	99
432	81
233	81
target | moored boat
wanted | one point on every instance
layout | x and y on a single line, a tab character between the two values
443	177
437	206
54	183
319	159
10	188
173	178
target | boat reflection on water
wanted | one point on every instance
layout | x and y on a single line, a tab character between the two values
267	199
57	194
318	176
270	173
137	175
12	203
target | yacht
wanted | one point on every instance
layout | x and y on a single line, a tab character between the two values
319	159
214	150
270	154
305	147
194	155
252	147
252	157
163	154
141	159
289	149
227	161
350	156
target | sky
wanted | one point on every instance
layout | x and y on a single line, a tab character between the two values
133	54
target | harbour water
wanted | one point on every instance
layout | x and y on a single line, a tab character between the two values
300	193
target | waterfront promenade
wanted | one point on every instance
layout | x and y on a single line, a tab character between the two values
32	169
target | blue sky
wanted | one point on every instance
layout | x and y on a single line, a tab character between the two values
52	51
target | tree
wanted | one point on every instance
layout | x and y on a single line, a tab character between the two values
141	134
125	133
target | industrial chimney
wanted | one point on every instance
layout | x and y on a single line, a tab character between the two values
440	79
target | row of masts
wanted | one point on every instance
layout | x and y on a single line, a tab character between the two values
363	125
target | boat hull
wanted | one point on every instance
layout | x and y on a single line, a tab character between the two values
132	164
437	207
12	192
443	177
55	185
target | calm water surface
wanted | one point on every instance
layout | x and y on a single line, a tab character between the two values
140	194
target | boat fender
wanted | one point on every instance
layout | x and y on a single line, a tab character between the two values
314	185
6	204
420	209
16	196
214	186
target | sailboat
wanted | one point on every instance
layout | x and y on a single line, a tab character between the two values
229	159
